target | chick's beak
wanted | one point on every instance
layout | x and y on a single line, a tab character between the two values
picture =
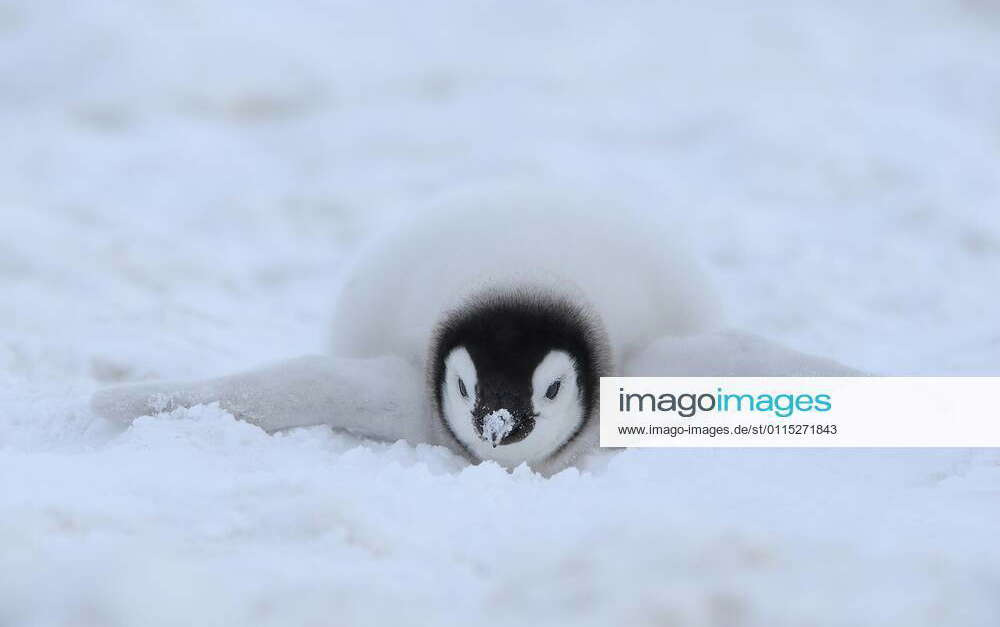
497	425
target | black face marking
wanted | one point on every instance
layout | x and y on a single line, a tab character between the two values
553	390
507	335
461	388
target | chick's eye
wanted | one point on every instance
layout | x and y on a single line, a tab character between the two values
461	388
553	390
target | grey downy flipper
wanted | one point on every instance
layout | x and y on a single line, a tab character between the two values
382	398
729	354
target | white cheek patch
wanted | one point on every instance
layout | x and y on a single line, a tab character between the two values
459	364
457	409
556	366
558	418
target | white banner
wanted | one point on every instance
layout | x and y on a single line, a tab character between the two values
800	411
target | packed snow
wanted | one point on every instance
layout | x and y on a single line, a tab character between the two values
181	181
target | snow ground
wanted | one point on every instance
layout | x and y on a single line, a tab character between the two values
179	182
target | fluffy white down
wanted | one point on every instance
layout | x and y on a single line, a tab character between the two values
623	262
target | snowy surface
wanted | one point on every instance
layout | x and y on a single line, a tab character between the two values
179	182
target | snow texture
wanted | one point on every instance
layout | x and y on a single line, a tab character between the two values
497	426
179	182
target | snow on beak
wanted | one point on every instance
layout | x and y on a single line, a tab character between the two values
497	425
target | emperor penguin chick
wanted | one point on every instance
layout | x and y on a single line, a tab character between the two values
484	325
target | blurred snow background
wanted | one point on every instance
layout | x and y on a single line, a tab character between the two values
180	180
